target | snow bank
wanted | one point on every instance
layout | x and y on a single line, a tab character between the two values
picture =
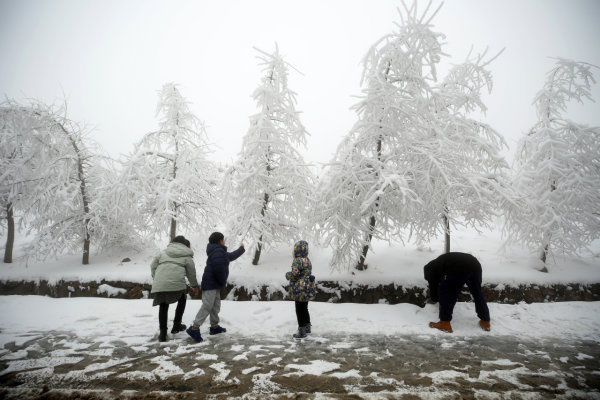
397	264
110	291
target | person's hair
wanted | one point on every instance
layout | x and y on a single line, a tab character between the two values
182	240
215	237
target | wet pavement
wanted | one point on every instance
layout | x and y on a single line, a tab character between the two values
61	365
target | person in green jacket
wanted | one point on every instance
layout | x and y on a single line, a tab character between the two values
169	270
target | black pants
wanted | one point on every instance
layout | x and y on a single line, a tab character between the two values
449	288
163	312
302	313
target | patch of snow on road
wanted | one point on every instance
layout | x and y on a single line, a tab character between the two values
316	367
250	370
582	356
243	356
193	373
353	373
222	371
166	367
440	377
500	361
44	362
14	356
207	356
263	384
138	376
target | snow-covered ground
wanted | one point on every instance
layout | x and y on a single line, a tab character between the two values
395	263
370	351
135	321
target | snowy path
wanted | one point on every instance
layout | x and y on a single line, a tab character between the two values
107	348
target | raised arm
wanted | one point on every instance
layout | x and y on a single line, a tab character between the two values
235	254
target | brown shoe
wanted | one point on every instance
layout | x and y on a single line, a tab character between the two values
485	325
442	326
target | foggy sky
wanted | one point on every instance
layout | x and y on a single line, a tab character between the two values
110	58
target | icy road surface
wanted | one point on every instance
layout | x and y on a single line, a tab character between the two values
73	348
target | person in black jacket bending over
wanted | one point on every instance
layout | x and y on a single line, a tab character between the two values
446	276
214	280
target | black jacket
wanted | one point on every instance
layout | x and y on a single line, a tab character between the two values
453	263
216	271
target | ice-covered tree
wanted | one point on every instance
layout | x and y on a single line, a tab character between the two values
168	180
24	163
414	159
367	188
269	185
558	169
58	201
456	165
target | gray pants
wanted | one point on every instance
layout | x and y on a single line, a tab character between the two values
211	305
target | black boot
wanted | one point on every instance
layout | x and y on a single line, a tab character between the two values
301	334
162	337
178	327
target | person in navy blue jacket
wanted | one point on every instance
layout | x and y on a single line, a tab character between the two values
214	280
446	276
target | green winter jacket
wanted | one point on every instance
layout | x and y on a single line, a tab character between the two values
170	268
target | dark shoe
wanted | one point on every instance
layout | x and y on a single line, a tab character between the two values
485	325
301	334
307	328
178	328
194	333
162	337
442	326
217	330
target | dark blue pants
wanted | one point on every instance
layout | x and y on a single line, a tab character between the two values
449	288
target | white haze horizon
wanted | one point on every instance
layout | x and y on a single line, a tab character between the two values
109	59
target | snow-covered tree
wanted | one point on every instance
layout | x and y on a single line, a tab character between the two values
269	185
458	171
24	163
168	180
367	189
414	159
56	182
558	169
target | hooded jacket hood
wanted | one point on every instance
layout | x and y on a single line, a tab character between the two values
177	250
211	247
301	249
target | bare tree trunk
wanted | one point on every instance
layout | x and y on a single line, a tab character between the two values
86	209
446	231
173	229
265	204
257	252
10	238
84	196
543	258
361	266
544	254
361	262
262	214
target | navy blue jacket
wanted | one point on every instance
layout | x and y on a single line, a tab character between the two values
216	271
